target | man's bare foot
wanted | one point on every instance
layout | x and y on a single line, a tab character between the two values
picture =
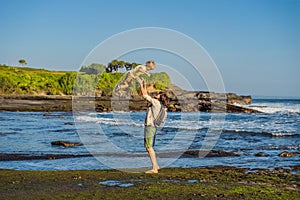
152	171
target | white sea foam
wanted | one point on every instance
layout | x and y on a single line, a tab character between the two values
108	121
281	108
273	128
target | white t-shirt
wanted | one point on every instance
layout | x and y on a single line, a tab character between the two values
154	109
139	70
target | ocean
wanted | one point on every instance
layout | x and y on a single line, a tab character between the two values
116	139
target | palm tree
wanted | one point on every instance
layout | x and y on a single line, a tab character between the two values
128	66
115	65
109	67
121	64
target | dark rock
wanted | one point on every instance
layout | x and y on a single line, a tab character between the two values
12	157
69	123
238	109
281	170
288	154
220	195
258	171
296	169
259	154
219	153
66	143
234	98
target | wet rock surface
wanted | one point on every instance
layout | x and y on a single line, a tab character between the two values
212	153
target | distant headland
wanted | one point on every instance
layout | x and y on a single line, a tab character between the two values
31	89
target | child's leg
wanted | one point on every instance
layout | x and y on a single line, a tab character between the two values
140	80
126	81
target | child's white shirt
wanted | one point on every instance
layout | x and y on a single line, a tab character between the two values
139	70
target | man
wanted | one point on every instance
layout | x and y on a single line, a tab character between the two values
150	129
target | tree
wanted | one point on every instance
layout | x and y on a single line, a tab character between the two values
121	64
93	68
116	65
128	66
109	68
23	62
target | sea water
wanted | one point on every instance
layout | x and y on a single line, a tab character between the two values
114	136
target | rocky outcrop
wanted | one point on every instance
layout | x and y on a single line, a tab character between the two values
193	101
288	154
66	143
259	154
179	101
46	103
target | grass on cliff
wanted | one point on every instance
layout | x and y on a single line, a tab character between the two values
23	80
171	183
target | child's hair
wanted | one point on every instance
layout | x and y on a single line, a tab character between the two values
150	62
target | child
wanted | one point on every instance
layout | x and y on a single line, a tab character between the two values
133	75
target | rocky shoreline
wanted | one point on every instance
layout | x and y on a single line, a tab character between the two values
186	154
180	101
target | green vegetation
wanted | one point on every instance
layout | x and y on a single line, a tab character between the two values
19	80
170	183
23	80
66	82
159	80
108	81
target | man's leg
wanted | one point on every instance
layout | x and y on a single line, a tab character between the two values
149	138
152	155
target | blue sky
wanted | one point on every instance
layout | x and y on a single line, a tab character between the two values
255	44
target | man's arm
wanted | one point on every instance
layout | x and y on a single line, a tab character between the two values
145	93
143	87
